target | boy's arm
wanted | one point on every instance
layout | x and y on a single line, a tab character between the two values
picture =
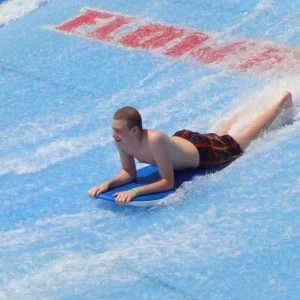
126	175
162	157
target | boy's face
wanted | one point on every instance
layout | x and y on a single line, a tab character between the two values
121	132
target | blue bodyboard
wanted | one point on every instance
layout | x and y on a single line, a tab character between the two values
148	175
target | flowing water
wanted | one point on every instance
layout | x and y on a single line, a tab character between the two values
233	234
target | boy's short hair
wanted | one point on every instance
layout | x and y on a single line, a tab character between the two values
130	115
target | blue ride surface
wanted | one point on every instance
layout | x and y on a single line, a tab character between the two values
232	234
148	175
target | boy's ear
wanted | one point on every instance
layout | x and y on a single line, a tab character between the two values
135	128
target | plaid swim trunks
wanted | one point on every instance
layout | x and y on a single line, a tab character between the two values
214	150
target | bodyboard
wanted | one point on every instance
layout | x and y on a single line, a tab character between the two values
148	175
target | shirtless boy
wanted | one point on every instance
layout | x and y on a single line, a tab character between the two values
185	149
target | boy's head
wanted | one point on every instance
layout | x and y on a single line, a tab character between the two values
131	116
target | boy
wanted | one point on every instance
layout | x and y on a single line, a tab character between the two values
185	149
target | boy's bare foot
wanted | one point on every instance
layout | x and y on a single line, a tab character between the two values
287	100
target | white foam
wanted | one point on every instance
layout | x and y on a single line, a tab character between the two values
261	7
27	236
53	152
14	9
72	267
254	102
124	260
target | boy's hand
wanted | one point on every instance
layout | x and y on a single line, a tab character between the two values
123	198
96	190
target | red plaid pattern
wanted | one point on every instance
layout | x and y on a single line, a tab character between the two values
214	150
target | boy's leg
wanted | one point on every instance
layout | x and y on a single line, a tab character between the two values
227	126
263	121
